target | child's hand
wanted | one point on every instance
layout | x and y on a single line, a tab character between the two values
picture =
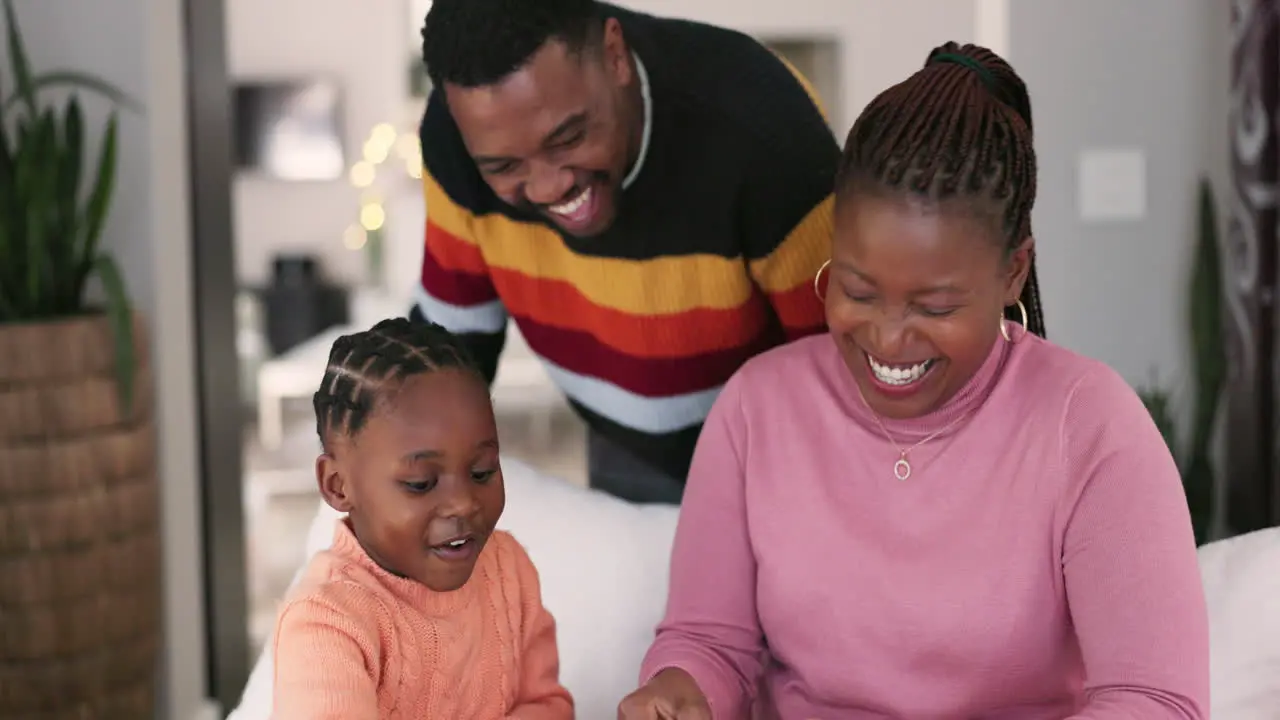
671	695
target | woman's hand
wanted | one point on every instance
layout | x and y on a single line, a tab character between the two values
671	695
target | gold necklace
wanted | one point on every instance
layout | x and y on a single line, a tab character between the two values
902	468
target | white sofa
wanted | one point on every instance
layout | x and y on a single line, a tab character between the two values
1242	585
604	562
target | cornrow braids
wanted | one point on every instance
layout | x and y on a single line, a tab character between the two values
958	130
473	43
365	367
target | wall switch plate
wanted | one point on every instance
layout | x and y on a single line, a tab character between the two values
1112	185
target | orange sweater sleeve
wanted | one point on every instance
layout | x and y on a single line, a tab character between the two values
541	696
325	650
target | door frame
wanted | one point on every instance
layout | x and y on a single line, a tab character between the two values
217	365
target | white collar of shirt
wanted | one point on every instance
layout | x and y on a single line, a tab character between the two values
648	123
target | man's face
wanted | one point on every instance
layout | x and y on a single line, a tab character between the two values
557	136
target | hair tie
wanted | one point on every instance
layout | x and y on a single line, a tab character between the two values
984	74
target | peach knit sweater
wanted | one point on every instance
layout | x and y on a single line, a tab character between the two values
355	642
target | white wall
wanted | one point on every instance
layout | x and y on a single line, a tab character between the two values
363	46
1147	74
872	57
137	45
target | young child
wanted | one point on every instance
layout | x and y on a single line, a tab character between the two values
421	610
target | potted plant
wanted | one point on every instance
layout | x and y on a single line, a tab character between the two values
79	555
1205	313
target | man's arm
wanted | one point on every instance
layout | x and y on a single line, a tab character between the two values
455	290
787	206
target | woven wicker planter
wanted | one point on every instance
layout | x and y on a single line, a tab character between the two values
80	613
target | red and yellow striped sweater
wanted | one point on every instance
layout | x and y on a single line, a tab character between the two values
711	259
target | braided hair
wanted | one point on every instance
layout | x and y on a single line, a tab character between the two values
958	130
365	367
473	43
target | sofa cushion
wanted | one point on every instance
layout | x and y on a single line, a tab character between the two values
1242	586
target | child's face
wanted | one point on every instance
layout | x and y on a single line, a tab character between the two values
421	480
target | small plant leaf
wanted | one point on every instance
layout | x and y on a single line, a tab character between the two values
8	303
1209	361
8	311
73	136
1159	405
76	79
1198	481
120	316
8	268
18	61
14	218
70	166
95	213
36	179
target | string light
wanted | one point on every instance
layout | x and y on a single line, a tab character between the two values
407	146
363	174
384	133
372	216
355	237
378	147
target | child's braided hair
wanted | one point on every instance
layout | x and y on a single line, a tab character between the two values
365	367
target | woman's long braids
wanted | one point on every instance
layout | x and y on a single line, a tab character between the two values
958	130
365	367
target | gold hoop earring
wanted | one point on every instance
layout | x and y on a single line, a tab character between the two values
817	278
1004	324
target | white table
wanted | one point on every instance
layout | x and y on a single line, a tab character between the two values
521	382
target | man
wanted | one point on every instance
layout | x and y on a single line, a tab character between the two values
648	198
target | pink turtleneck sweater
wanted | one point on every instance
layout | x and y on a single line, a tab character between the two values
1039	564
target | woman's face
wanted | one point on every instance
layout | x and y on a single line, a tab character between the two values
915	297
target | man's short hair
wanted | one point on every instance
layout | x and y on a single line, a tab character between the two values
473	43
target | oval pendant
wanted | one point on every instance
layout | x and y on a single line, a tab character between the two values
902	469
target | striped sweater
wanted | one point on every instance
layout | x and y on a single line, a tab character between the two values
710	261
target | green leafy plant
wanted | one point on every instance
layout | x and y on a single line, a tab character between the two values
1209	369
1197	479
49	226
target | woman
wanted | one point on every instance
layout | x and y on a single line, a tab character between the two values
932	512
